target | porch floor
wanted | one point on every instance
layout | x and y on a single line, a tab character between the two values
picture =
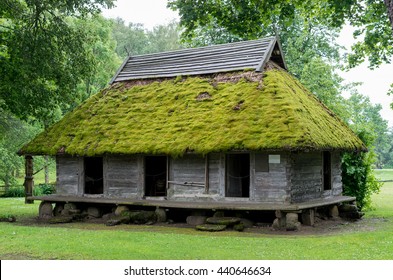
216	205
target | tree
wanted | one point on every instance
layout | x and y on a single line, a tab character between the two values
368	16
13	134
389	8
42	54
134	39
163	38
385	150
131	39
100	46
365	116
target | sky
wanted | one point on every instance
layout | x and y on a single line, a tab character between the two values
376	82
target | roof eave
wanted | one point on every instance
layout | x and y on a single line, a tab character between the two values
119	70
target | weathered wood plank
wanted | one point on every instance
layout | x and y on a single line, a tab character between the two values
186	170
218	205
68	175
272	185
306	176
122	176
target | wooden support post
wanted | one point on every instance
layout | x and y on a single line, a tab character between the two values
206	174
167	175
29	180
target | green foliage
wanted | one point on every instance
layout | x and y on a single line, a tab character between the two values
41	189
365	116
16	191
131	39
163	38
167	117
374	31
368	16
73	61
43	56
44	189
100	46
357	174
134	39
13	134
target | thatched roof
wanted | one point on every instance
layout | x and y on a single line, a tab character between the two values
201	114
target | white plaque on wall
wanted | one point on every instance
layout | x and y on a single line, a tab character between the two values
274	158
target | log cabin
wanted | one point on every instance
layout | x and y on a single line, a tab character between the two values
221	127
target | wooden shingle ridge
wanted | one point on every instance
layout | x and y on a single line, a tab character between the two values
203	60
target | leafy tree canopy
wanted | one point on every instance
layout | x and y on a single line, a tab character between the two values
370	17
43	53
134	39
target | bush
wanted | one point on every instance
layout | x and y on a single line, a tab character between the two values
44	189
41	189
15	192
358	175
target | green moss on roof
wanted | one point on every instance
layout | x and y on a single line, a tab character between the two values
197	115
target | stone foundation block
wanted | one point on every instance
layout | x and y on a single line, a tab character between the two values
308	217
196	220
161	215
94	212
45	210
333	211
120	209
292	221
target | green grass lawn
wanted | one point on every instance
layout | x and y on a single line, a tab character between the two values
384	174
369	239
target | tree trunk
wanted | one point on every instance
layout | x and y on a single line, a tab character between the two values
389	8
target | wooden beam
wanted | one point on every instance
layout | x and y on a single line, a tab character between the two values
167	175
29	179
207	174
228	204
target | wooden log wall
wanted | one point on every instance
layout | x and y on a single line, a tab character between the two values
123	176
297	177
306	176
187	177
269	180
337	186
217	174
69	174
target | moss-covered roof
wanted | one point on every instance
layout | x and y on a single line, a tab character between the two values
242	111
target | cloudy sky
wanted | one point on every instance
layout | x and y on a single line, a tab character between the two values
375	83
